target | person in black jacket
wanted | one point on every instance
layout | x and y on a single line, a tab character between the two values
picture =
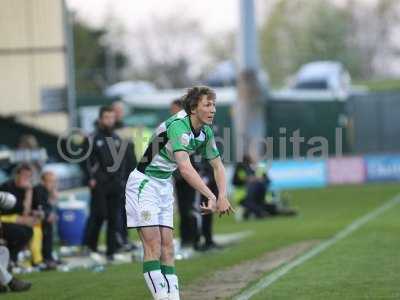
130	156
185	196
7	280
205	224
130	163
17	222
106	170
44	199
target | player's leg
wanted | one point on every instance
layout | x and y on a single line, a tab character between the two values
96	218
5	276
168	262
142	211
166	221
155	280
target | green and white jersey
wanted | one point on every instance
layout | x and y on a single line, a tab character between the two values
175	134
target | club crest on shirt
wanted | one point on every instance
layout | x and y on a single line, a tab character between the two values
146	215
214	145
185	139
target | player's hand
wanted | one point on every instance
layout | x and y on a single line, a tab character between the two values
54	196
208	208
52	218
27	220
38	214
224	206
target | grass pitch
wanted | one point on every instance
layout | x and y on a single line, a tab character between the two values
364	265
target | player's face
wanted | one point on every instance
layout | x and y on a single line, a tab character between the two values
50	182
119	111
108	119
23	179
205	110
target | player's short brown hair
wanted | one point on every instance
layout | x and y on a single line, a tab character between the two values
105	109
22	167
177	102
193	95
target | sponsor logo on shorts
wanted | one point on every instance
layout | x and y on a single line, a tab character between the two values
146	215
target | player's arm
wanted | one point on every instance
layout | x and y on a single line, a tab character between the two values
27	204
92	163
223	205
193	178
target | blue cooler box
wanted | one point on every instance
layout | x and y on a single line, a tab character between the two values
72	215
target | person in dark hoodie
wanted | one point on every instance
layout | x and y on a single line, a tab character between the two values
106	182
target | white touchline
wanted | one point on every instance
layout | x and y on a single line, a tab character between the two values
274	276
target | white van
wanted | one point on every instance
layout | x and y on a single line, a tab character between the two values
323	75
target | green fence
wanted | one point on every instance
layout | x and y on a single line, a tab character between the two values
316	122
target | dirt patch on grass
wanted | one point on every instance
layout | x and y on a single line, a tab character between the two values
228	282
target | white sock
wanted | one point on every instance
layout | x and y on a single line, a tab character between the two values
155	280
169	273
173	284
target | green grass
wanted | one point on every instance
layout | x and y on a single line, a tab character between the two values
322	213
364	265
381	85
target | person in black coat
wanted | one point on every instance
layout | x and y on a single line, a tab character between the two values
205	224
130	162
105	167
185	196
7	280
17	221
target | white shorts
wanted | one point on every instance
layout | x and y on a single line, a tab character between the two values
149	201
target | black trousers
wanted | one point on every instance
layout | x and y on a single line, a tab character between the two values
47	244
206	227
17	237
104	206
122	229
205	230
186	197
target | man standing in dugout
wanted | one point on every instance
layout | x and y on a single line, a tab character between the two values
185	196
105	182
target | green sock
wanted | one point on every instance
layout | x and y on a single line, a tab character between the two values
155	280
151	265
167	269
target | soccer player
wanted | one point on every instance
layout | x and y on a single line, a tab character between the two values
149	192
